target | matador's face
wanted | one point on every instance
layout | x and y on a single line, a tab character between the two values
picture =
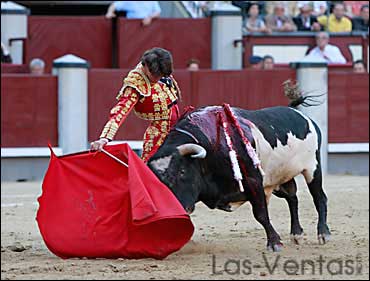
153	78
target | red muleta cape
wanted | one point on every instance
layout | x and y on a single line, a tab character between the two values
92	206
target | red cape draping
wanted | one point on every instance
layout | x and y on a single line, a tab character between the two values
92	206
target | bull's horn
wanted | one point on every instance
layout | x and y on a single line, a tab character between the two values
195	150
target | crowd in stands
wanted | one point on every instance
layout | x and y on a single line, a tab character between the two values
323	17
289	16
303	16
269	16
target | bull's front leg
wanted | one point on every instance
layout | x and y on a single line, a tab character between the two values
260	212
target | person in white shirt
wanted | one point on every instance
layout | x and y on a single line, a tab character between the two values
325	51
146	10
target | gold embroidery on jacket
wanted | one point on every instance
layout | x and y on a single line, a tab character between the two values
119	113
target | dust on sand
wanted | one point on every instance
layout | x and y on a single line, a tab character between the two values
224	245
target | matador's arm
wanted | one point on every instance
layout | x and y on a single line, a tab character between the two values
119	113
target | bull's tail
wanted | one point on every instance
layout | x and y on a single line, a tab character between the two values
295	95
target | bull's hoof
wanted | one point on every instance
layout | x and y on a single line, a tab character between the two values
224	207
297	239
323	238
277	247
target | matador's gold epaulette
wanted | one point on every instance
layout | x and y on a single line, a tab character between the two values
137	80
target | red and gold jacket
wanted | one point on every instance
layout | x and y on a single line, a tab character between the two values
156	102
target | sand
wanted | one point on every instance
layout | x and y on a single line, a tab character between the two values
224	245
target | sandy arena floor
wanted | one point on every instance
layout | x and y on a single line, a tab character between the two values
224	245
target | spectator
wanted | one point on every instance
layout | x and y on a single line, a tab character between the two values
193	65
268	62
256	62
5	55
146	10
359	66
305	21
254	22
290	7
245	5
318	7
37	66
337	22
361	23
325	51
353	8
205	7
278	21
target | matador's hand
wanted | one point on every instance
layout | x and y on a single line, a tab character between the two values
98	144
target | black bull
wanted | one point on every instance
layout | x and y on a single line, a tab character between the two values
194	163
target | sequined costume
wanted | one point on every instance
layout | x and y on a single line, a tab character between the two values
156	102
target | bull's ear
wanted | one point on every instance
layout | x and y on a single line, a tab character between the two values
195	150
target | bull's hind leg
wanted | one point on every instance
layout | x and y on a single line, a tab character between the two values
320	200
288	191
260	212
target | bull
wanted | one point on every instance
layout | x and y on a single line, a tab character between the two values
194	163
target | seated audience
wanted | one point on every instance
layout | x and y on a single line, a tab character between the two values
37	66
353	8
290	7
305	21
193	65
361	23
278	21
337	21
146	10
318	7
5	55
325	51
268	62
256	62
359	66
254	23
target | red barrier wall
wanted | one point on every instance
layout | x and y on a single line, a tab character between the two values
50	37
348	107
29	103
29	110
185	38
250	89
14	68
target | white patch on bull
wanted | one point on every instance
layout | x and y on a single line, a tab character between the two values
161	164
284	162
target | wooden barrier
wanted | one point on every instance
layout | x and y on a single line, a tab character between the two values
249	89
50	37
348	107
14	68
185	38
29	103
29	113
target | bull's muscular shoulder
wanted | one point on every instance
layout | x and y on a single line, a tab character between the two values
276	123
